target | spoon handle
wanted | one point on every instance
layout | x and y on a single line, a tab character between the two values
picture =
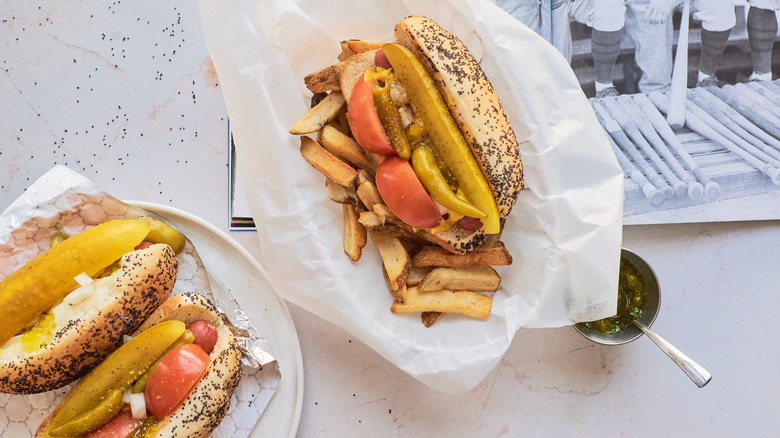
696	372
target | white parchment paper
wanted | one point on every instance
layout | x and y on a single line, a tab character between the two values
65	201
564	232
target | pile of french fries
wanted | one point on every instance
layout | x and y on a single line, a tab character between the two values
422	277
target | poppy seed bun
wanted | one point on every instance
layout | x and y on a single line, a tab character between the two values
473	103
209	399
91	323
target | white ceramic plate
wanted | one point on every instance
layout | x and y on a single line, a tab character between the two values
243	275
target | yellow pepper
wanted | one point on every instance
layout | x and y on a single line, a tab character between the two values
391	121
424	165
448	142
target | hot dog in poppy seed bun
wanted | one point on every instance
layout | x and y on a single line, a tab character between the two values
452	170
209	400
473	103
185	321
89	323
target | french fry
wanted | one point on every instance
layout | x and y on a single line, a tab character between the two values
369	195
430	318
335	169
343	127
354	233
364	176
416	275
384	211
369	219
341	194
373	221
344	147
399	295
437	256
346	52
466	303
326	79
358	46
394	258
480	278
322	113
316	98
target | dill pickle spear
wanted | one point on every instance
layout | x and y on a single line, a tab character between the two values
45	280
94	418
448	142
160	232
118	371
424	165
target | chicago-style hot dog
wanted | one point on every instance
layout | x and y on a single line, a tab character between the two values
416	147
424	103
67	309
173	379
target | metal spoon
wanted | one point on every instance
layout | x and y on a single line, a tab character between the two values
696	372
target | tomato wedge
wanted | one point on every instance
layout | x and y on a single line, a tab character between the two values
173	377
405	195
364	120
121	426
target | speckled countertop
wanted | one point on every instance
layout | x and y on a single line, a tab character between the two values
125	93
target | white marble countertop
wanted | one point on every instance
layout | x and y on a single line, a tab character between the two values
125	93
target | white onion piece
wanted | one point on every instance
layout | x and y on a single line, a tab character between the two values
138	406
442	209
126	395
79	295
83	279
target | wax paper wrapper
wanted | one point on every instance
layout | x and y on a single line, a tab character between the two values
64	201
564	233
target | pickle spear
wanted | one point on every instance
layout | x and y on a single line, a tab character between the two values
45	280
117	373
94	418
160	232
448	142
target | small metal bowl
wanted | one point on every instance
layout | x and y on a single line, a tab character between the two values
649	311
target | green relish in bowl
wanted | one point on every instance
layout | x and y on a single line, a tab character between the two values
631	299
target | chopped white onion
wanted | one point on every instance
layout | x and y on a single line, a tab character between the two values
126	395
138	406
127	338
83	279
79	295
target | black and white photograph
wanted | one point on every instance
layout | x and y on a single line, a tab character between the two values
685	91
